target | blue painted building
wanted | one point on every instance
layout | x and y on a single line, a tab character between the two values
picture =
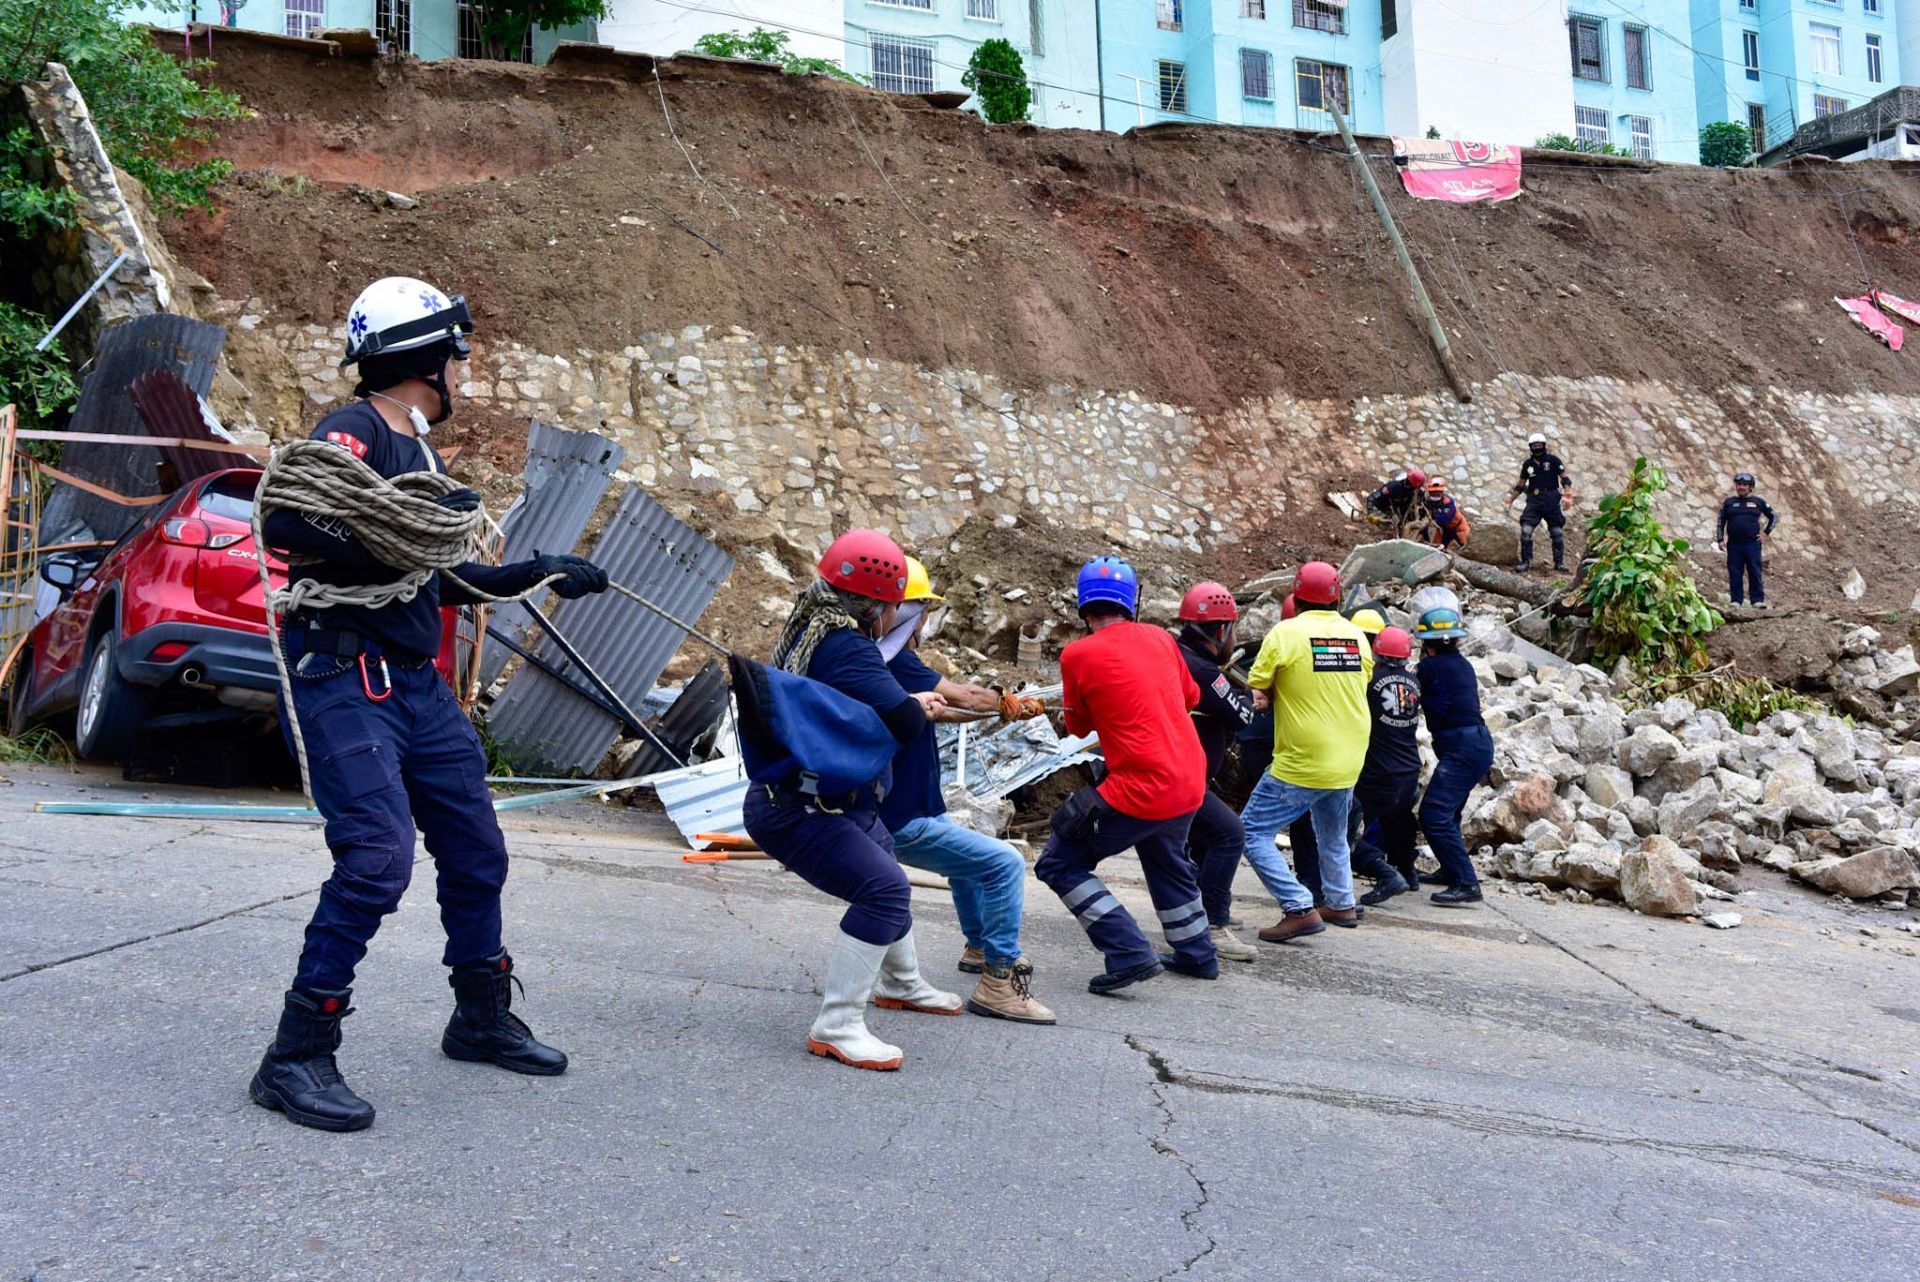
1773	65
919	46
430	29
1634	73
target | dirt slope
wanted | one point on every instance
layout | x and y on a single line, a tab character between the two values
1201	265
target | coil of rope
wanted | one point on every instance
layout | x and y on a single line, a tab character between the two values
400	522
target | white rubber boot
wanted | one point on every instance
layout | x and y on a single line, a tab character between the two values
840	1030
902	987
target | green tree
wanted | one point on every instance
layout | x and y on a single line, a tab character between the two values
999	80
1433	131
1566	142
1646	607
1725	145
762	45
504	24
152	115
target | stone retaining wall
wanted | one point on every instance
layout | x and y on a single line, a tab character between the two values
817	440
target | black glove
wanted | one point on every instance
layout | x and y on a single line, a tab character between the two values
461	500
583	576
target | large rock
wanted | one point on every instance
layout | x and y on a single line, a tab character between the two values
1813	807
1645	750
1837	752
1591	867
1867	875
1608	785
1653	879
1589	737
1683	811
1789	771
1513	809
1685	770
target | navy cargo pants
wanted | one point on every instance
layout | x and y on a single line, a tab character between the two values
1744	580
1544	507
377	767
1087	830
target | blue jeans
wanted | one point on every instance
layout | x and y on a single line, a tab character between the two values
989	880
1275	804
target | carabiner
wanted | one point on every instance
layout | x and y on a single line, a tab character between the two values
386	680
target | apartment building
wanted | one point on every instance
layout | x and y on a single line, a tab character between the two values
1773	65
429	29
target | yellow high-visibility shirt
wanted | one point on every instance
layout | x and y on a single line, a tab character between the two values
1316	666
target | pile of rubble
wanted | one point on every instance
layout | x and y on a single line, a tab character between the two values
1660	808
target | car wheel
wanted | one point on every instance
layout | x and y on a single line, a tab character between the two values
111	709
17	694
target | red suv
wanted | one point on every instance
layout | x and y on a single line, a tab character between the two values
172	614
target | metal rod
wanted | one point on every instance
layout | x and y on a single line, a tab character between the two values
682	624
1435	330
600	684
81	301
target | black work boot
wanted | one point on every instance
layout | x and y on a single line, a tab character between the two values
484	1028
298	1075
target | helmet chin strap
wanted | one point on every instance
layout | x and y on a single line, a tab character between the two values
421	424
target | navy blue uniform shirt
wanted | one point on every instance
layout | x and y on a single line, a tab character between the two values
1543	474
404	629
1741	519
916	767
851	664
1449	691
1393	698
1223	711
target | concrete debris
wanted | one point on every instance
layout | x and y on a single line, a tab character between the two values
1721	920
1396	561
1854	587
1668	806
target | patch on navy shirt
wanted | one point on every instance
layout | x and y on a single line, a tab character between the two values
1221	686
1336	654
349	441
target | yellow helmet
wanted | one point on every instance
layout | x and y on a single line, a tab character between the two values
1369	621
920	583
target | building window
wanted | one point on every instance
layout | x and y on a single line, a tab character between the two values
304	17
1827	106
471	42
1253	9
1873	59
1256	74
1590	126
984	10
905	4
1757	125
1870	6
1038	37
1389	19
393	23
1321	15
1824	41
1168	13
1173	86
901	65
1750	53
1318	86
1640	134
1748	5
1589	37
1639	57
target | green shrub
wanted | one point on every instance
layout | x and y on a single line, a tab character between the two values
999	80
1726	145
1646	607
1566	142
761	45
39	385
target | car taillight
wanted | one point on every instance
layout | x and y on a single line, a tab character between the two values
187	532
224	540
168	651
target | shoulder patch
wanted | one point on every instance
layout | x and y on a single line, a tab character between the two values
349	441
1221	686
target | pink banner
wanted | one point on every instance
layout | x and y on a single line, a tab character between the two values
1905	310
1461	172
1869	318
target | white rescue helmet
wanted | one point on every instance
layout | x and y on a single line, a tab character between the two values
402	314
1538	438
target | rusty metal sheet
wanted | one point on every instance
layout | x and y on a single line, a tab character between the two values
189	348
169	408
663	559
566	473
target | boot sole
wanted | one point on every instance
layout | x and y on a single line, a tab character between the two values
473	1055
900	1003
1295	937
1464	903
976	1008
270	1100
826	1051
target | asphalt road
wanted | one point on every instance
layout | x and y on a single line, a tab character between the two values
1530	1090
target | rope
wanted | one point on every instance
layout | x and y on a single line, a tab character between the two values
399	522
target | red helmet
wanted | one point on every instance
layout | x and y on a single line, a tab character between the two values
866	563
1317	584
1393	643
1416	477
1208	603
1289	607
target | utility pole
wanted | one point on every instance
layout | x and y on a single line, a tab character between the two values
1435	330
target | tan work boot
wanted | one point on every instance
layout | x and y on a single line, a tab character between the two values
973	961
1295	925
1005	992
1229	946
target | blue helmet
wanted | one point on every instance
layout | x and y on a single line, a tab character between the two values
1440	624
1108	578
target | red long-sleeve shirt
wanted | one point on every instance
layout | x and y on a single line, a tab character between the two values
1128	684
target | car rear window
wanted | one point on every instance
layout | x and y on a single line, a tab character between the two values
230	496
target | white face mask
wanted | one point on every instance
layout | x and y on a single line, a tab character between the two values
420	425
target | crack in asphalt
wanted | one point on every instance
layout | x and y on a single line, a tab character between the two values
34	968
1163	1076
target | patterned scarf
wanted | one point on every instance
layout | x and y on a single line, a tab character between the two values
820	609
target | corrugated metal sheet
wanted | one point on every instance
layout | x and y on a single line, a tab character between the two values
189	348
705	798
696	710
566	473
662	559
168	407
